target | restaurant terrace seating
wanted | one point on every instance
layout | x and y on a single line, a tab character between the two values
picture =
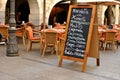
109	37
60	43
4	32
31	38
20	32
117	39
41	26
102	29
49	39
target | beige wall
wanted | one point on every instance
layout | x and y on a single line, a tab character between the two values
49	6
117	18
36	9
2	10
34	12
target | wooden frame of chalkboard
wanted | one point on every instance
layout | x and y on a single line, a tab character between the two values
79	30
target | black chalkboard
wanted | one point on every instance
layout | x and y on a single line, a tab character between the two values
77	34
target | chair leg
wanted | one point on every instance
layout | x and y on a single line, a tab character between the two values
59	47
28	46
113	47
105	46
41	47
57	51
101	45
117	44
23	38
44	51
53	49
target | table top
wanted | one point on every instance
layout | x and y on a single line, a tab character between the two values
54	29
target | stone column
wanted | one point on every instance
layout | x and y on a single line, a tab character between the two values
73	2
116	14
44	12
2	11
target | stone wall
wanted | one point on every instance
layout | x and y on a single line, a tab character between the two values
36	11
49	6
2	11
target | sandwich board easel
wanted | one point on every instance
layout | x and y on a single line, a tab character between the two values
81	35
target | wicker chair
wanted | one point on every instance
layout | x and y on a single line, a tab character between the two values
31	38
4	32
117	39
49	39
20	32
109	38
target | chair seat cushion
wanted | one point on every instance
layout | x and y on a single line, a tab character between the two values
35	38
19	33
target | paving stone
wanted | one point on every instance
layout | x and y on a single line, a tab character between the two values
31	66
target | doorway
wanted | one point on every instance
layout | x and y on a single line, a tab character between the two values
59	13
22	11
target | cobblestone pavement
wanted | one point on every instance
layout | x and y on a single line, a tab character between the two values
30	66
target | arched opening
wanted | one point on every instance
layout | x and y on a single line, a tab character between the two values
109	16
22	11
7	12
59	13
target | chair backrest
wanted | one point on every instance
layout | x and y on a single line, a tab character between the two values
20	31
110	36
41	27
4	32
118	36
29	32
51	37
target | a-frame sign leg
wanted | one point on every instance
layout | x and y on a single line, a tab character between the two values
60	61
94	46
94	43
84	64
98	62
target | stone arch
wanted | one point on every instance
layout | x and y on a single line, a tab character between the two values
7	12
109	15
59	9
36	7
34	12
21	6
49	6
104	9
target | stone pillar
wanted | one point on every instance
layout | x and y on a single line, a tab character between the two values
44	12
12	48
73	2
2	11
103	8
100	14
116	14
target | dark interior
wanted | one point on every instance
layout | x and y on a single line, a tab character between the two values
59	13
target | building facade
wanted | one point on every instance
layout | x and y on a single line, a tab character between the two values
36	11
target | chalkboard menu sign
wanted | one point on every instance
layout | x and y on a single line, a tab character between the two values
81	35
78	32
